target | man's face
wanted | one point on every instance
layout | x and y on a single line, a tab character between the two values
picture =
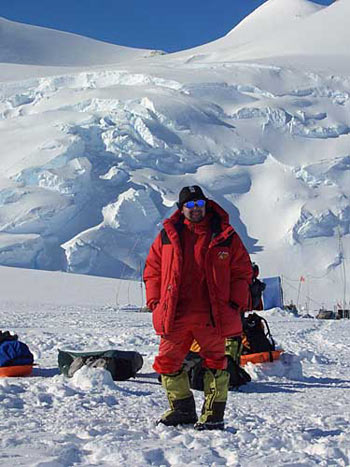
193	212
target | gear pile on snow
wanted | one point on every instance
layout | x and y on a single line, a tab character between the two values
258	345
256	335
237	375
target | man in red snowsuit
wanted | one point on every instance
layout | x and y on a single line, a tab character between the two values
197	278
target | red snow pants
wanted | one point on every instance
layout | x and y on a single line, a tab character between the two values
175	346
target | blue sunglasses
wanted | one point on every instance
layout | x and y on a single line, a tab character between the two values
191	204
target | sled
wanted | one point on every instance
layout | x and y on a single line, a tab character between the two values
261	357
18	370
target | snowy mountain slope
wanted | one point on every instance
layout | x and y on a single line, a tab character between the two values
93	160
293	412
34	45
270	18
285	32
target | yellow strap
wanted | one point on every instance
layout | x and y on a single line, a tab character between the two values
195	347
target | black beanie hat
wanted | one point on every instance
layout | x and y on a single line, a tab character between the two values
190	193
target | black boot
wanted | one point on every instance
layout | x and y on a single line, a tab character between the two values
213	420
183	412
215	393
182	406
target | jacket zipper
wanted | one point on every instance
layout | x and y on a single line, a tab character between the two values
210	294
212	317
165	315
166	307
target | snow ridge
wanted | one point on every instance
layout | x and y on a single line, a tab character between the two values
34	45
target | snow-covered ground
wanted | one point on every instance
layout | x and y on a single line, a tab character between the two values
294	412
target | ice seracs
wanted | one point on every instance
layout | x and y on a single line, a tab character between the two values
93	157
117	245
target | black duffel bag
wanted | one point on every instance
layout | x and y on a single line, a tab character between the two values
122	364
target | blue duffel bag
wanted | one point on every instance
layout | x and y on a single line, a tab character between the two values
13	352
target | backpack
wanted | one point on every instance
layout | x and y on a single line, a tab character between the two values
256	335
193	365
120	363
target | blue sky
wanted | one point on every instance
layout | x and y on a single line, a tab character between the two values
168	25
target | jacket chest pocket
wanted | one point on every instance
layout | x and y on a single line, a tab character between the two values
221	268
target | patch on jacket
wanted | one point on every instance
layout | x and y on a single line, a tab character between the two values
223	255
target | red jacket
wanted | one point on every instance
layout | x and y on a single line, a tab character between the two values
227	267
